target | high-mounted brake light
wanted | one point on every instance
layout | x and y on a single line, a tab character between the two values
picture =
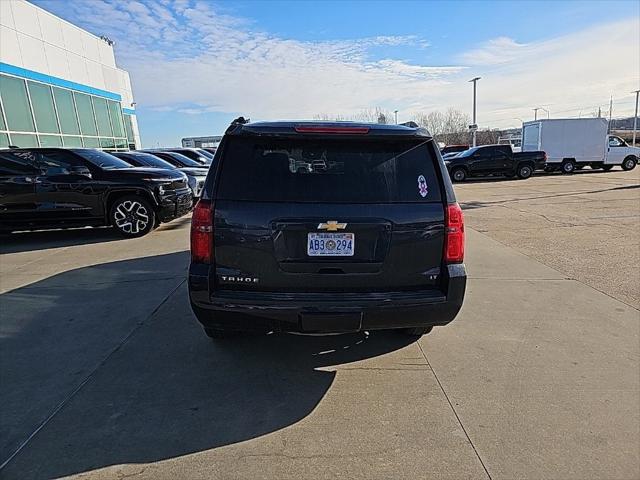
454	234
334	130
202	232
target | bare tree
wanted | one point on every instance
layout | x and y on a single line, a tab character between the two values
369	115
450	127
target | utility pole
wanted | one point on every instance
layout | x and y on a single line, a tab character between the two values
396	114
535	110
599	112
635	119
475	125
610	113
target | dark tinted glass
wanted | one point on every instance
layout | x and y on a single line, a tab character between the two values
334	171
468	153
57	162
17	163
101	159
145	159
177	159
192	155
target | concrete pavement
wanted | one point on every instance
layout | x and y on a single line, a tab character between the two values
105	374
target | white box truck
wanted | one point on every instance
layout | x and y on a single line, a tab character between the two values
572	143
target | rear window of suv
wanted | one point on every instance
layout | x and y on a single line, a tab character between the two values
330	171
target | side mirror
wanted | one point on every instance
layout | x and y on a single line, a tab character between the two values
80	170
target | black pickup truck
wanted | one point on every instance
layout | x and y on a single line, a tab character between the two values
499	160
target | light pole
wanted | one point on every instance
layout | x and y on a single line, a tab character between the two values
635	119
535	112
475	125
395	112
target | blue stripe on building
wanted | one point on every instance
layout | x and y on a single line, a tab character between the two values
58	82
129	111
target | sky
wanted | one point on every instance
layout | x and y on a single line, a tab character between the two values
195	65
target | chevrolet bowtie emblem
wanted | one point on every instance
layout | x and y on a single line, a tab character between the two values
332	226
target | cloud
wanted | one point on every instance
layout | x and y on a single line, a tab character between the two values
191	57
493	52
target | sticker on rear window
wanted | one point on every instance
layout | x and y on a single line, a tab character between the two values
422	186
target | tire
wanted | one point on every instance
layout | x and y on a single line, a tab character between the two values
629	163
132	216
606	168
415	331
524	172
459	175
568	167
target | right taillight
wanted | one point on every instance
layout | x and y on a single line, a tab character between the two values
202	232
454	234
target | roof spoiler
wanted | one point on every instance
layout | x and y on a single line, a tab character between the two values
238	122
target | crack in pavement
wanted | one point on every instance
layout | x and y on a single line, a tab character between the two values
424	355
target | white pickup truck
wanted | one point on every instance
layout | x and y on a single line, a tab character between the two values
572	143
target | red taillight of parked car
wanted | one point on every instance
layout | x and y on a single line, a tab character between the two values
454	227
202	232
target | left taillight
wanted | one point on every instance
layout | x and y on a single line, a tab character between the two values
202	232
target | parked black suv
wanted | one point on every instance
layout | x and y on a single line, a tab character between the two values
494	160
54	187
200	156
326	227
195	176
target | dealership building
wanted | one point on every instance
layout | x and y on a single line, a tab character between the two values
59	84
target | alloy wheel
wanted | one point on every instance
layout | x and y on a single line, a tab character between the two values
131	217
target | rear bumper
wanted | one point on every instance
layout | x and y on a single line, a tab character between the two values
540	164
326	312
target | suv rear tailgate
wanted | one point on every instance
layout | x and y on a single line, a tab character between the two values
396	247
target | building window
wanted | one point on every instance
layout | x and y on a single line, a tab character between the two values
85	114
72	142
24	140
115	113
50	140
107	143
43	109
58	117
16	104
2	124
128	125
91	142
66	111
102	116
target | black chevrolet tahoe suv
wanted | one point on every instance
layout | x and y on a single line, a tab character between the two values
42	188
326	227
494	160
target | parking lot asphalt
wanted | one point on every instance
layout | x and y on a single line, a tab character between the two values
105	373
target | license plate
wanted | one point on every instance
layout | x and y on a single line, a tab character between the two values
331	244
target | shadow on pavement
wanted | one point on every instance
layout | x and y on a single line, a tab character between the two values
156	386
44	239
